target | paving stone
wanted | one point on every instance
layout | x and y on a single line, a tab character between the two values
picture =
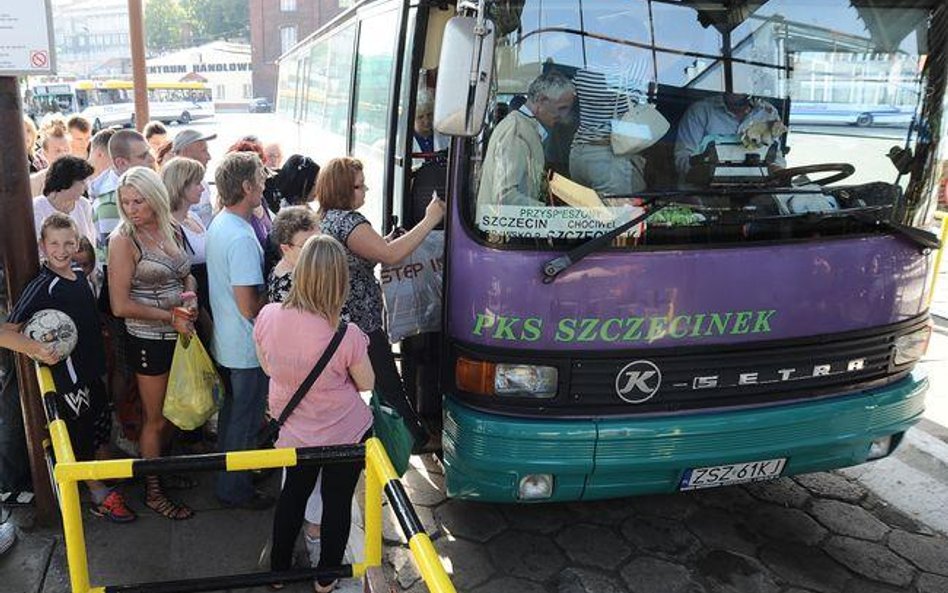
869	559
728	572
652	575
719	530
785	524
510	585
848	519
733	499
405	571
468	564
670	506
474	521
526	555
540	518
932	583
424	488
783	491
928	553
578	580
663	537
831	486
593	545
23	566
603	512
804	566
893	517
57	574
863	586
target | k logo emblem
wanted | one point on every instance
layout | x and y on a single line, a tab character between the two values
638	381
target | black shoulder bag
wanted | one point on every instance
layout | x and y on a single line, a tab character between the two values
270	432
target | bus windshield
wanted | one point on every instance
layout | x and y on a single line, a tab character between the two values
752	120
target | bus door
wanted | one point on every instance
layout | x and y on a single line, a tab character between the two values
418	175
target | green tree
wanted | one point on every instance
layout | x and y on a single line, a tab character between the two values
212	20
163	25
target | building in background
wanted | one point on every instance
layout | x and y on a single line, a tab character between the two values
91	38
224	66
276	26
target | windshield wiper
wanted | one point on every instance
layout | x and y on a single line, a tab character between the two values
558	265
916	236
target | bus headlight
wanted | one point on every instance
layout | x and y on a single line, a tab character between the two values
911	347
505	380
525	380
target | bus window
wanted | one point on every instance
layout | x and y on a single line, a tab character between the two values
327	92
373	83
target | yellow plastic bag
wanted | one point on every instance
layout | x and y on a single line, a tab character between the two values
194	387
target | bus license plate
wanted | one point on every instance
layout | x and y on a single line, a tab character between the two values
735	473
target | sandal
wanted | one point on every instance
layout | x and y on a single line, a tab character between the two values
156	500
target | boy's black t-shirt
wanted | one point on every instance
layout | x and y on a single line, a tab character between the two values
49	290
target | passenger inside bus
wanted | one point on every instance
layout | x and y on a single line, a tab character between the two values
513	171
426	143
726	117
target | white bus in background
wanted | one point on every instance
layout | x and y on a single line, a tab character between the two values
112	102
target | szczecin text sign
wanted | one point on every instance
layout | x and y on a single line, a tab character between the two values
553	222
26	38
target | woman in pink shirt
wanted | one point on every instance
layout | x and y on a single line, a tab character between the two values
290	338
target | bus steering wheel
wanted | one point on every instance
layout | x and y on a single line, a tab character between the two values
783	177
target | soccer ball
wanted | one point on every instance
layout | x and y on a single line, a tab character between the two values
53	327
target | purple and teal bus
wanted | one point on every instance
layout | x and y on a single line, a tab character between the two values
747	323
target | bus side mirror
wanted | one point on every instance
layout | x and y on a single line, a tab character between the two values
464	77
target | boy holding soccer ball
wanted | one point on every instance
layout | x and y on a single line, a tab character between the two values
81	397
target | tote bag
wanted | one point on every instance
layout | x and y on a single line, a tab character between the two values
637	129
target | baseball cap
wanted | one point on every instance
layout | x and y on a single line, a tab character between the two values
186	137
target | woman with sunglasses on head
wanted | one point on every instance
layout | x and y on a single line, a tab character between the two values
340	191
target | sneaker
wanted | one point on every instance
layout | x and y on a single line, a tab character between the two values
7	537
313	545
258	502
114	509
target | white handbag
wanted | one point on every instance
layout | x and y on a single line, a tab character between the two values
637	129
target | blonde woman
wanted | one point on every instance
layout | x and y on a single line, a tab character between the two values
184	178
290	338
149	272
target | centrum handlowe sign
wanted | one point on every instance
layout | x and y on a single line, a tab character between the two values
26	38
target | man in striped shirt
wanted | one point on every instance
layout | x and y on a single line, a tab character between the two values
127	149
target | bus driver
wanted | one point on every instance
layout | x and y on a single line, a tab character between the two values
513	169
717	115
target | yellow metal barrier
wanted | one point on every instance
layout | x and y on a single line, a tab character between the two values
379	476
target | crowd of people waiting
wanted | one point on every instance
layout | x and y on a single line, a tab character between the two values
138	249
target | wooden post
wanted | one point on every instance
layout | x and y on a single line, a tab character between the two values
21	262
136	37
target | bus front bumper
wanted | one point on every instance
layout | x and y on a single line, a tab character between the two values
486	455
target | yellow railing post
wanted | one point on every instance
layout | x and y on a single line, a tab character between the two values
941	250
373	512
68	495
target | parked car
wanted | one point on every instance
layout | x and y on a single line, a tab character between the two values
260	105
